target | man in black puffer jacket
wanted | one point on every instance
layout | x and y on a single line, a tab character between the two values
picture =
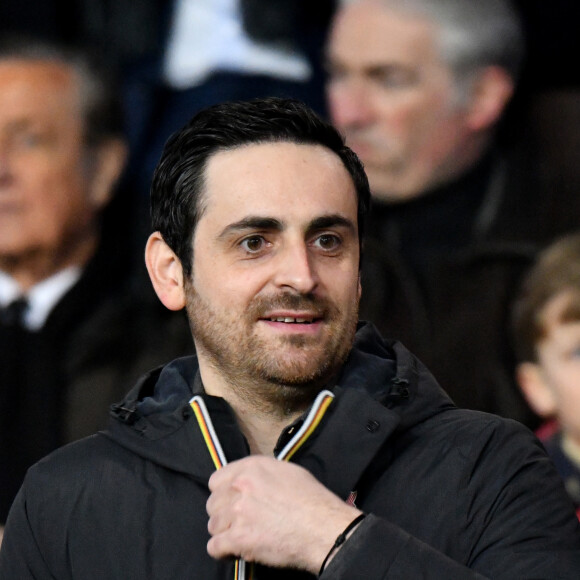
296	442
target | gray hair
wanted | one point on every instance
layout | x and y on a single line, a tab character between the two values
473	34
101	106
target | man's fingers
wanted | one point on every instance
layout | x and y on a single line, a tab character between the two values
228	506
232	543
219	477
218	522
226	475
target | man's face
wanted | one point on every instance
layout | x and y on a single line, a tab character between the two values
394	98
274	292
559	364
44	203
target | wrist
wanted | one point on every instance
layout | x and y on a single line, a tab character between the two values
340	540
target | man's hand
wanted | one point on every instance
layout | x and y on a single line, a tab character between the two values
275	513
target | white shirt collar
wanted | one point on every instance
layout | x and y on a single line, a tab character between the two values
42	297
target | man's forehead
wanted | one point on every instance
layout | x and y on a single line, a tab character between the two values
268	150
37	71
39	87
377	33
259	170
279	181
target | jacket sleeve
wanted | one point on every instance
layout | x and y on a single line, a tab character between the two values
20	556
518	520
380	550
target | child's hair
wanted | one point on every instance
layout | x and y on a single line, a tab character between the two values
557	271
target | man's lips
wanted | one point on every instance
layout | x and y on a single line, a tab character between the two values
292	318
288	319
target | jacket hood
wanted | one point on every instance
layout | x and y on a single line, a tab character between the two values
394	377
154	420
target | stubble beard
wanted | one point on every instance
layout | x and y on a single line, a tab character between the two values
280	375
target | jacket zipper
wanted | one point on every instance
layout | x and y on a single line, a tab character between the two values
243	570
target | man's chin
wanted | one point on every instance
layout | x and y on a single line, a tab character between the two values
302	372
291	392
294	381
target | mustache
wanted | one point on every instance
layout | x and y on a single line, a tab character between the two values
291	301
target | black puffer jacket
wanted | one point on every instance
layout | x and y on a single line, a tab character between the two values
451	493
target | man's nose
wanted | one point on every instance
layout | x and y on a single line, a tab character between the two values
296	269
349	103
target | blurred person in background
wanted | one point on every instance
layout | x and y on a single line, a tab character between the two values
175	57
546	324
75	324
420	89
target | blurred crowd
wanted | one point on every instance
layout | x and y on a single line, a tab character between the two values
465	115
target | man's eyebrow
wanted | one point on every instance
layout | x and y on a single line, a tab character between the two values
391	68
331	221
252	223
259	223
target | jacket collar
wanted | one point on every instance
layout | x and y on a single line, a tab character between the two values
382	389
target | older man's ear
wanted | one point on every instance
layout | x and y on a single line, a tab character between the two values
108	162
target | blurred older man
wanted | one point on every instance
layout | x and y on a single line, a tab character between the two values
419	88
72	324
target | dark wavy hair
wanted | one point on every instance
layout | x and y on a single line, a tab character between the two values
177	190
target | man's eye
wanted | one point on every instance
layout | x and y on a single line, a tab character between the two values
253	244
395	78
327	242
29	140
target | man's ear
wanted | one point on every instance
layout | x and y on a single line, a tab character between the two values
106	168
165	271
490	94
537	392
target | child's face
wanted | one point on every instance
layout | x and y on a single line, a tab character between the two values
559	365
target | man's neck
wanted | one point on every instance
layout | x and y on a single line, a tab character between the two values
42	298
260	421
262	431
30	269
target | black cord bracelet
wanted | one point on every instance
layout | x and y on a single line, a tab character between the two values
341	539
